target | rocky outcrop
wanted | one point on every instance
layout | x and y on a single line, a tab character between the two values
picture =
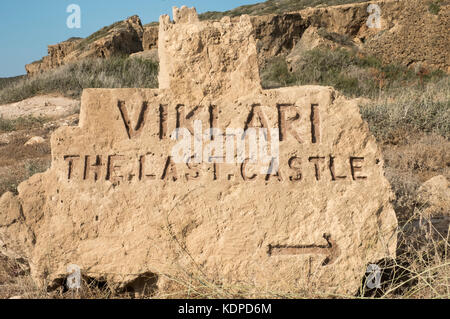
120	203
277	34
313	38
150	37
124	37
408	34
41	106
412	35
56	56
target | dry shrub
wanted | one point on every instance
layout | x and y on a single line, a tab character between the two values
19	162
71	79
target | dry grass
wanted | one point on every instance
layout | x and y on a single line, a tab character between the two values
19	162
71	79
394	114
21	123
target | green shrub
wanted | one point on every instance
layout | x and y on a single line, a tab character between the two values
277	74
402	98
434	7
33	167
346	70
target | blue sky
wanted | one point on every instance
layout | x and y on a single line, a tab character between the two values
28	26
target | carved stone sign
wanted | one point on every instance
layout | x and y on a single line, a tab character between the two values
209	177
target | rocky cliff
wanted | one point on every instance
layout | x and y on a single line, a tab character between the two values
124	37
409	33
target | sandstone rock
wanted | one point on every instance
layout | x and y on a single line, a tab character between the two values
311	39
434	195
277	34
150	37
121	38
409	34
226	66
414	36
35	140
56	56
147	55
49	106
433	199
118	203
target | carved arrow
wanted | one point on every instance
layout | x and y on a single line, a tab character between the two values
331	250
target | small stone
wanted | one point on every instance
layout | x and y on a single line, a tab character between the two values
35	140
16	297
434	195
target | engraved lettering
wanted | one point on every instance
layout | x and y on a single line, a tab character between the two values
356	167
295	165
133	132
286	123
315	124
70	163
316	161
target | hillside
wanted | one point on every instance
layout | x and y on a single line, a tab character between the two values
274	7
411	33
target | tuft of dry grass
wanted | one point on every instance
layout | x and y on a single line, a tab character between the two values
71	79
21	123
393	114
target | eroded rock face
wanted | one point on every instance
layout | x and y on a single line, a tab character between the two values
117	203
121	38
408	34
150	38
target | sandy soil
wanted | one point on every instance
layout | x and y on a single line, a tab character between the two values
49	106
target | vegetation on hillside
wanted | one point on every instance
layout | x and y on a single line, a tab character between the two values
406	98
97	35
71	79
274	6
4	82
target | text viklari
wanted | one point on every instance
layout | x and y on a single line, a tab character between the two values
245	154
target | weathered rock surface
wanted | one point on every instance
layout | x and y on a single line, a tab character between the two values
409	34
311	39
412	35
147	55
124	37
433	199
116	203
50	106
277	34
35	140
56	56
150	37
